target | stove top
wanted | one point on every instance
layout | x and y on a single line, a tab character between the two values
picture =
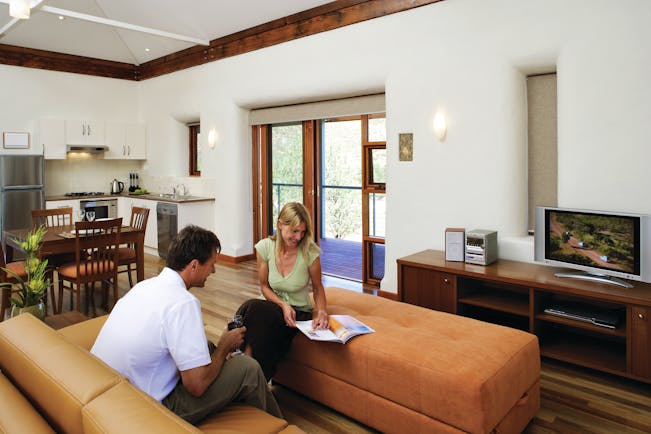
84	193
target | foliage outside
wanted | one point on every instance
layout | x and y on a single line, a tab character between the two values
341	169
34	286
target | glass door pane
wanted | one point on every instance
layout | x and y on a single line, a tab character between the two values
341	201
286	168
377	215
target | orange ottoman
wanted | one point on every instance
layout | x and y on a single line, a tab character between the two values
422	371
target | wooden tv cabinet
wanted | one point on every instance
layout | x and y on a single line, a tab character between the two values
516	294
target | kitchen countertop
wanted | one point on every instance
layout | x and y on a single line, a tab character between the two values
159	197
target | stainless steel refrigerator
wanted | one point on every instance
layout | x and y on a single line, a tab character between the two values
22	189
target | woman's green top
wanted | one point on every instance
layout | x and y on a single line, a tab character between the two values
293	288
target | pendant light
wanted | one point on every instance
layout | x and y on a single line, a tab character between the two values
19	9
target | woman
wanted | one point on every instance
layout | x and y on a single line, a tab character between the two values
287	262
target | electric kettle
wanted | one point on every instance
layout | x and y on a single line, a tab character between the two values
116	186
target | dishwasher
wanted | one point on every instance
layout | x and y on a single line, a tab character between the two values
167	218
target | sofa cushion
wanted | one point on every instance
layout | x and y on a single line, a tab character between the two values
84	333
16	413
240	418
460	371
57	377
124	405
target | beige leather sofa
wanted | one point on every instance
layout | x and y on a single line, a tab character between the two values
422	371
49	382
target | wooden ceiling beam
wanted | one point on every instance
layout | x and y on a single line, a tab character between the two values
41	59
316	20
322	18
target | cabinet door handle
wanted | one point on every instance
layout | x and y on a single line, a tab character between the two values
83	130
88	130
128	149
640	315
446	280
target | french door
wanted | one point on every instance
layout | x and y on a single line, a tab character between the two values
336	168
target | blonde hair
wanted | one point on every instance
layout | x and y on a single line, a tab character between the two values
293	214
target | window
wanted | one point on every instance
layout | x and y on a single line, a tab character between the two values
195	149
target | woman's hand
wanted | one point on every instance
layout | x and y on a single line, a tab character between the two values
289	314
320	320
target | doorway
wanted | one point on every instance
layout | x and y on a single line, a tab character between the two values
337	168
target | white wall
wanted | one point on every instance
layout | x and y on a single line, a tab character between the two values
31	94
465	57
468	58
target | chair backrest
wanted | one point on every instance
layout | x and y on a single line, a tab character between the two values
139	217
52	217
96	246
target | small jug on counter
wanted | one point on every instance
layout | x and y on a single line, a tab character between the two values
117	187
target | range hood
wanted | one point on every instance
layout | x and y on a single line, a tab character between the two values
90	149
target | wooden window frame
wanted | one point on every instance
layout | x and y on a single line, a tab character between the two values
261	173
368	187
194	131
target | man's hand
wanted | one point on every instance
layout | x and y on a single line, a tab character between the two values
230	341
320	320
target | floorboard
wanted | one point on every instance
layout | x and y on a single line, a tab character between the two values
573	399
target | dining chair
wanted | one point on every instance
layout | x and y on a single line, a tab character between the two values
52	217
17	267
127	255
96	246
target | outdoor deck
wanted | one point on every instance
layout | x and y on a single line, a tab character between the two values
343	259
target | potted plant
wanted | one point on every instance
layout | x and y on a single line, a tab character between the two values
29	297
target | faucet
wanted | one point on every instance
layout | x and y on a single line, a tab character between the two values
179	190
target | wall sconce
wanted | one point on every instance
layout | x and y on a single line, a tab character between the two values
440	125
212	138
19	9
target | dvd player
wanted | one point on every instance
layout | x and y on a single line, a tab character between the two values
599	317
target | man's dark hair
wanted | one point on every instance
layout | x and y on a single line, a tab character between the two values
191	243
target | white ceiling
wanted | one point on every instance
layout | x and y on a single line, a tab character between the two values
202	19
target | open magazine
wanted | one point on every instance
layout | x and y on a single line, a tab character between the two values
341	329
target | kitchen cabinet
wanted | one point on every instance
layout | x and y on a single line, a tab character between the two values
74	204
52	136
197	213
84	132
124	210
126	141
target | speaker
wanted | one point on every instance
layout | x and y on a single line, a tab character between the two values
455	244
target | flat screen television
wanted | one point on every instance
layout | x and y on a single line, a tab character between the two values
601	246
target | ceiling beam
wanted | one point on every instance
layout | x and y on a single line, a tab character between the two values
41	59
123	25
316	20
326	17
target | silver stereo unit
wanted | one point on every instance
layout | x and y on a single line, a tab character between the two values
455	244
481	246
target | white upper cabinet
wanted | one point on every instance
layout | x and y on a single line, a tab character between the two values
126	141
85	132
136	142
52	136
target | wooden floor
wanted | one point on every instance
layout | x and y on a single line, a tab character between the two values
574	400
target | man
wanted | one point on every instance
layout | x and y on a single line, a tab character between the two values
155	337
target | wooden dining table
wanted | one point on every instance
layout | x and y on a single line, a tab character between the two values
59	240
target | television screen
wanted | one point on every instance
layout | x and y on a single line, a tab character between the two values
608	242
